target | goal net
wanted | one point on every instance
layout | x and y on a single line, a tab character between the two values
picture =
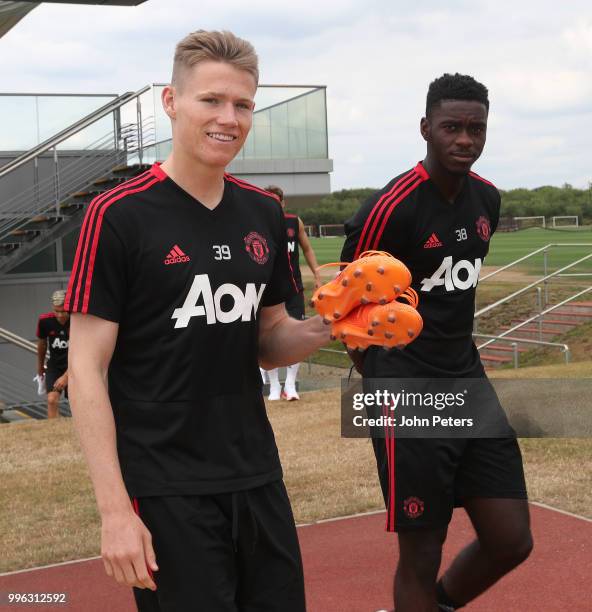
310	230
526	222
331	231
565	221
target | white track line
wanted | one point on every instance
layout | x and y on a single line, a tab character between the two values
320	522
43	567
578	516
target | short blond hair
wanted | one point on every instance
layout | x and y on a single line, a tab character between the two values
58	297
201	45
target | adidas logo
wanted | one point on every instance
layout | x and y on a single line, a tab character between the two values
432	242
176	256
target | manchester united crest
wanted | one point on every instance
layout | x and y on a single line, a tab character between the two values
413	507
256	247
291	232
483	228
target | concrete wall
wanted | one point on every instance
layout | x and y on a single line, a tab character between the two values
23	300
304	181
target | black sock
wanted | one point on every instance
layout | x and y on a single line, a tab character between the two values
443	598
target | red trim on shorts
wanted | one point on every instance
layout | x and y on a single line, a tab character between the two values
389	441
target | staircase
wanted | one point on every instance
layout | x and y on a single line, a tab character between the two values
53	206
548	323
550	328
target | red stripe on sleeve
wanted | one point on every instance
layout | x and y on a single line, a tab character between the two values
376	211
87	228
385	205
99	223
392	207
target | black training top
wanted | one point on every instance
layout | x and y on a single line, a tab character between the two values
58	338
292	229
443	245
185	284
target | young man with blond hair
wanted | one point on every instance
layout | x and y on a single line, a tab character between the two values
53	333
180	279
296	235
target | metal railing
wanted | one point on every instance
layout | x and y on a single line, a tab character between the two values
536	316
515	341
542	300
16	389
75	168
545	250
19	341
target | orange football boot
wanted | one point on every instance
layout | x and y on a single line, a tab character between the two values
392	325
376	276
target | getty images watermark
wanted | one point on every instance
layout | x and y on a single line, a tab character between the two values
389	402
466	408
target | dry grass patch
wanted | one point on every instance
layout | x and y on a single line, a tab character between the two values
48	511
559	473
326	475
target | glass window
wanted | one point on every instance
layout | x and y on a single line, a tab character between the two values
262	135
297	122
19	123
280	138
58	112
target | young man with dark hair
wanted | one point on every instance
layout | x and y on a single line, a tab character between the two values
177	293
296	235
438	218
53	333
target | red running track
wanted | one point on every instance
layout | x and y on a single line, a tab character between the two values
349	565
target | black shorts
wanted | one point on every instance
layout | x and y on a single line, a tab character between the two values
295	306
51	375
423	479
224	553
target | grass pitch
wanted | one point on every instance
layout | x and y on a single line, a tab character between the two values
505	248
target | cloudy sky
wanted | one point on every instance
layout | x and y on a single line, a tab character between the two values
376	57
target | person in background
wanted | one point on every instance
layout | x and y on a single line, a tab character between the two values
295	305
53	332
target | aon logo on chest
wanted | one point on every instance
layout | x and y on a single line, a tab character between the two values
462	275
59	344
202	302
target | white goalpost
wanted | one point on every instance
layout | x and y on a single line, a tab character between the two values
526	222
331	231
572	221
310	230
